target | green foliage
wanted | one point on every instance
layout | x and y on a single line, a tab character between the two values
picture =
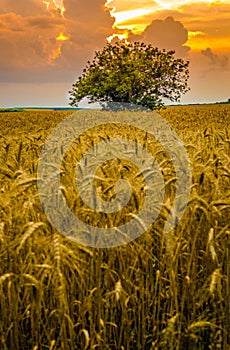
132	73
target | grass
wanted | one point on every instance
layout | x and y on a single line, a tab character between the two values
55	294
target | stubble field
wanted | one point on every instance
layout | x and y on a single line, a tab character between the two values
56	294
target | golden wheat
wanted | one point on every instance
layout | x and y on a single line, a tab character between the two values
57	295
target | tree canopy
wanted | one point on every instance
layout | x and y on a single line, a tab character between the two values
132	73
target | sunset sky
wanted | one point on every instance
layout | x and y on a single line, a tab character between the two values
44	45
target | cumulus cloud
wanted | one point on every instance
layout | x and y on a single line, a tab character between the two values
165	34
219	61
31	46
22	7
210	18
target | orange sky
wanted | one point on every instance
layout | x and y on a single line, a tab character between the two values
207	22
44	45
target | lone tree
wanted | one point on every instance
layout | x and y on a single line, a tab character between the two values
132	73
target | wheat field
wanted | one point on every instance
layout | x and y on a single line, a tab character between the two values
58	295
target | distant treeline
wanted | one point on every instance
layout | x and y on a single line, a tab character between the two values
29	109
223	103
11	109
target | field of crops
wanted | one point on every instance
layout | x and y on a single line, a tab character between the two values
56	294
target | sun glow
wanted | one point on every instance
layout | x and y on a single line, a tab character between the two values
195	34
56	4
110	8
58	51
199	43
56	8
59	4
62	37
47	4
136	17
123	16
54	55
118	36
